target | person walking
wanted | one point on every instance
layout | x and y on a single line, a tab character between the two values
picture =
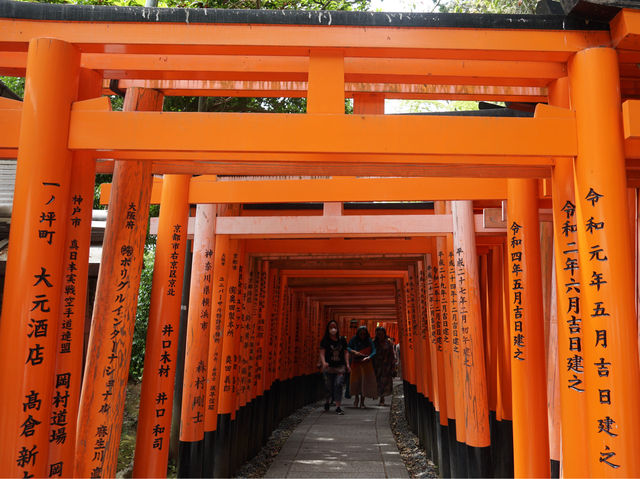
363	379
384	363
334	359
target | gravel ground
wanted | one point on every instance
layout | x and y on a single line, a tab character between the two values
259	464
414	457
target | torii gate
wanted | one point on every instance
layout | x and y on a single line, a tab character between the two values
63	126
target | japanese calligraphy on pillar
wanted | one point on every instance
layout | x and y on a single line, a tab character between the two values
519	348
455	329
430	297
598	318
228	359
41	340
444	304
249	332
196	403
460	271
409	311
218	300
570	289
424	320
275	302
436	324
72	311
115	358
239	358
260	328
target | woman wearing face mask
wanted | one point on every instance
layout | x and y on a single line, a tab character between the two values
334	359
363	379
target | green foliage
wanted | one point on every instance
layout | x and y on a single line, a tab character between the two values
16	84
487	6
240	4
424	106
142	315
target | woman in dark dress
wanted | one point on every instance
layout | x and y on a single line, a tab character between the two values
363	379
384	363
334	359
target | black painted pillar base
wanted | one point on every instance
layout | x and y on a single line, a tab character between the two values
503	462
431	428
233	445
454	453
190	458
443	448
419	426
478	461
209	447
555	469
222	452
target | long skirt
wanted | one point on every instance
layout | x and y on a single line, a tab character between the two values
363	380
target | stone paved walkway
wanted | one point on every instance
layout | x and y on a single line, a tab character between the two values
358	444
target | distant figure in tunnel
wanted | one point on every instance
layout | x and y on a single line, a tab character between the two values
363	379
384	363
334	358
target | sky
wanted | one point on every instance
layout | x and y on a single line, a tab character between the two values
402	5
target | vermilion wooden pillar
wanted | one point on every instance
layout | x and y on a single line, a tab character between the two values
456	310
457	456
570	310
34	276
197	343
472	363
226	386
528	360
609	323
503	459
219	286
154	421
109	350
70	347
432	352
439	376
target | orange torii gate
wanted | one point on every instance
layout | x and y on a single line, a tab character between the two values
467	297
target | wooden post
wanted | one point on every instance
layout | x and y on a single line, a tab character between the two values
609	323
426	403
457	456
226	387
197	343
528	361
325	92
156	398
70	347
109	350
474	391
34	276
434	345
219	306
443	421
457	362
571	365
553	382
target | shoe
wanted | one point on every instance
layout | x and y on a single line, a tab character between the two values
339	411
326	406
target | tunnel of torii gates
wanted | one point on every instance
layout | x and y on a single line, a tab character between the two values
511	365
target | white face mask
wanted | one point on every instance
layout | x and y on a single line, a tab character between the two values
333	331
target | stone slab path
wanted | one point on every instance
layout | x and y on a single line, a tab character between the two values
358	444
